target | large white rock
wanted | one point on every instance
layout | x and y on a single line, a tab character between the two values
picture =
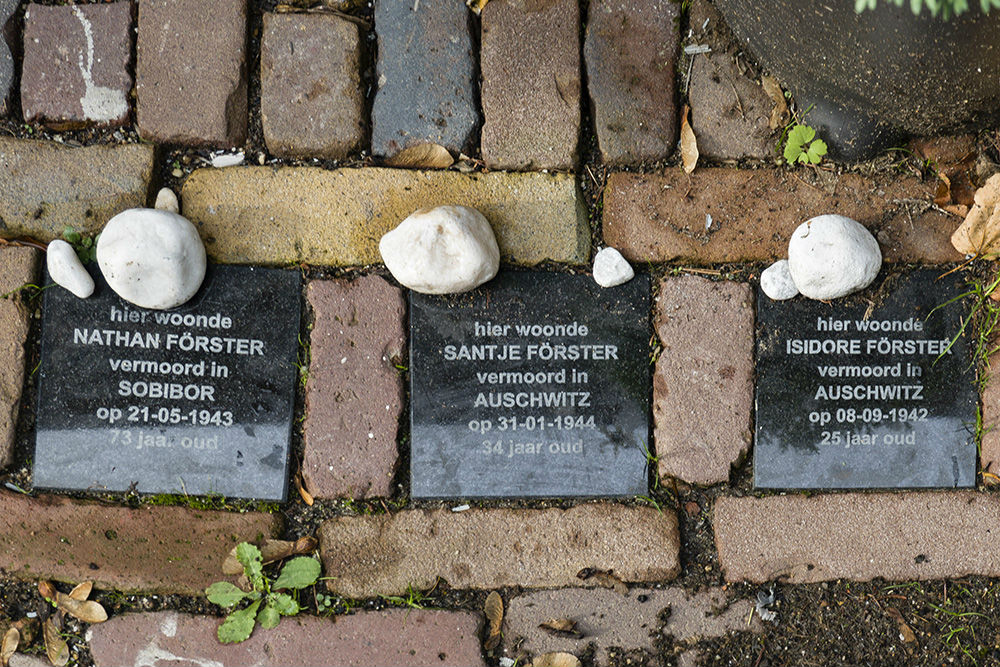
152	258
442	250
777	283
67	270
831	256
611	269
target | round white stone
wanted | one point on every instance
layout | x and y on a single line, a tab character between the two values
154	259
776	281
442	250
166	200
611	269
831	256
66	269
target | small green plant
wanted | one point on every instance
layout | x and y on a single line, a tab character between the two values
85	246
945	8
414	598
267	604
802	145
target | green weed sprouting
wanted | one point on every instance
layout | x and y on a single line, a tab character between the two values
802	146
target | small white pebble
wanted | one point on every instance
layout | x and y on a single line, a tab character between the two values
344	360
166	200
460	508
227	160
611	269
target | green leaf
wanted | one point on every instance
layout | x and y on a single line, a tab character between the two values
224	594
285	604
238	625
249	557
298	573
268	617
71	235
817	150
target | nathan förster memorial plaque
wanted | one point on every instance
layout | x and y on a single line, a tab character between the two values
869	391
535	384
196	400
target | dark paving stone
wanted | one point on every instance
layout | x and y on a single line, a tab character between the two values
150	549
703	384
76	60
388	638
355	392
859	536
19	267
661	217
426	71
530	64
385	554
311	103
7	37
47	186
191	79
631	55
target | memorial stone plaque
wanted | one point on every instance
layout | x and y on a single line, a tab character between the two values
867	391
194	400
533	385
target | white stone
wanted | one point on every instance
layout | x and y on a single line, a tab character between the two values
776	281
830	256
442	250
67	270
611	269
154	259
166	200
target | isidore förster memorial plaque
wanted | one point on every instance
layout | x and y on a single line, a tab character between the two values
533	385
195	400
874	390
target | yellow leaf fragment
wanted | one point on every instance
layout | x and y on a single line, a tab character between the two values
8	645
422	156
556	659
82	591
779	114
689	144
306	496
980	233
493	608
476	5
55	646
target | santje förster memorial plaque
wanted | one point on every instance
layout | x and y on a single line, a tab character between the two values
535	384
194	400
870	391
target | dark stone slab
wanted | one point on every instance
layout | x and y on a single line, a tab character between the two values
914	423
100	425
631	56
7	9
476	434
76	60
426	72
311	103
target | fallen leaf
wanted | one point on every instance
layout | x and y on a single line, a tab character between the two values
980	233
957	209
493	608
425	156
55	646
689	144
905	632
85	610
605	578
271	551
47	590
943	194
476	5
773	90
306	496
82	591
692	508
561	627
8	645
556	660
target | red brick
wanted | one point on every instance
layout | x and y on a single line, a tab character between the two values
150	549
661	217
491	548
703	384
355	392
391	638
20	266
858	536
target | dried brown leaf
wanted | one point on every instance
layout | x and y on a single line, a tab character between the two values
957	209
561	627
271	551
47	590
424	156
306	496
556	659
493	608
905	632
943	194
82	591
980	233
85	610
605	578
55	646
8	645
773	90
689	144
